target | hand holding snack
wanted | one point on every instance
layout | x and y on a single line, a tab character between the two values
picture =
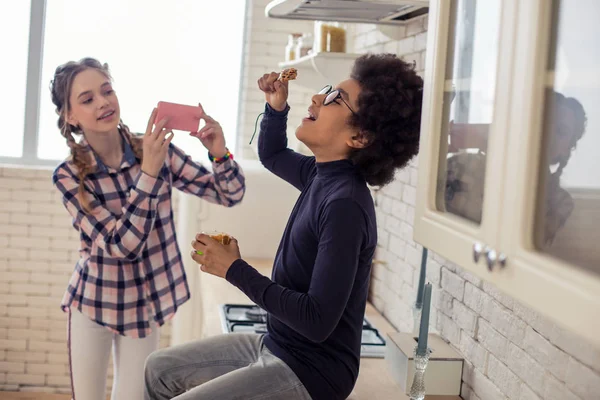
275	87
215	253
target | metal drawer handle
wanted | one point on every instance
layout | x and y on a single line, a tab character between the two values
477	250
491	258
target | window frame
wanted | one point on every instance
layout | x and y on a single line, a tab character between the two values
33	90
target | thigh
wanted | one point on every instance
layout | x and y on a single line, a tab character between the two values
89	352
172	371
129	357
268	378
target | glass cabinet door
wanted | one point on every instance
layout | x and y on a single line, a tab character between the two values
567	221
554	260
457	212
468	107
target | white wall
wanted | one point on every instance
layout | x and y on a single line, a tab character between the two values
259	221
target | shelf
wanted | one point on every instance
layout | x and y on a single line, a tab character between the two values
320	69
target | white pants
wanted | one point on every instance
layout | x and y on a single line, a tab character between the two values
90	347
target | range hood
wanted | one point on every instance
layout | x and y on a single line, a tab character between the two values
386	12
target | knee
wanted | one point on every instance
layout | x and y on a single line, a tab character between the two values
155	364
155	382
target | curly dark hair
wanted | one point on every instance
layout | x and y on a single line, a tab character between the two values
389	115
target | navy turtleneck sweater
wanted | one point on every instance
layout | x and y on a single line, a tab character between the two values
317	294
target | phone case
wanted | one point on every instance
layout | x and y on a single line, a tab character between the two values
181	117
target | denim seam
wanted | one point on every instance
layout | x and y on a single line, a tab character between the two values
265	396
233	363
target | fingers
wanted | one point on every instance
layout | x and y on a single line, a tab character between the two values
207	132
209	126
203	114
197	257
262	83
266	82
281	86
160	126
199	246
205	239
151	121
273	77
160	137
168	139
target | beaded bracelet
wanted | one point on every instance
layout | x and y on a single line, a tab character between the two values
219	160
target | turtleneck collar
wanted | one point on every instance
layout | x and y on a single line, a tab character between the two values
335	168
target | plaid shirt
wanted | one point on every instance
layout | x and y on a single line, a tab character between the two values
130	270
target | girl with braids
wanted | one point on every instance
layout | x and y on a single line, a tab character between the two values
360	133
567	123
466	170
117	188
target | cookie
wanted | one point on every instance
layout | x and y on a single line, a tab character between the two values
288	74
222	238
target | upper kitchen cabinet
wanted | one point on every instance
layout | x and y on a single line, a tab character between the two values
464	128
509	164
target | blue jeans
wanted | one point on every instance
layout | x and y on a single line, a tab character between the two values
224	367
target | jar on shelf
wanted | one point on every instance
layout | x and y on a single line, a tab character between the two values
329	37
305	45
290	49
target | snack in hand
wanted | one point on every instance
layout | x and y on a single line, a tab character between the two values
288	74
222	238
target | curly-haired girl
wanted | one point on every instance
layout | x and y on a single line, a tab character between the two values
360	132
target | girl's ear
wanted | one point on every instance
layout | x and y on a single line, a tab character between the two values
72	120
358	141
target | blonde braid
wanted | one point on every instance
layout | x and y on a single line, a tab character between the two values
60	89
80	158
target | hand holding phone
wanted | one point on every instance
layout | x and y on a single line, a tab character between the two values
211	135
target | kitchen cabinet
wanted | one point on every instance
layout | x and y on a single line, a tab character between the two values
509	177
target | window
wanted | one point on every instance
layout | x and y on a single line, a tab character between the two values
183	52
14	25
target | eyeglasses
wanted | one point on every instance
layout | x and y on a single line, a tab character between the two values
332	96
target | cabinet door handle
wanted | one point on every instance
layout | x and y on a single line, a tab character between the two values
502	260
491	257
477	250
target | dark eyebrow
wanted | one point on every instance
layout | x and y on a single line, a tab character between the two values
84	93
344	93
89	91
346	96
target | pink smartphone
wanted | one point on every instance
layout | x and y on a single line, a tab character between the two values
181	117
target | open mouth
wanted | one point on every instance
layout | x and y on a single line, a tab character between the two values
311	115
107	114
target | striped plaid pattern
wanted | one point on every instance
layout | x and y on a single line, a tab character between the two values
130	270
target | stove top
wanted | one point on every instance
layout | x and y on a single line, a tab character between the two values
247	318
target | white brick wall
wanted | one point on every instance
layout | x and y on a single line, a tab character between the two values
38	250
511	351
263	50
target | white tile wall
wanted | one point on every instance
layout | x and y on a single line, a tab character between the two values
264	49
38	250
